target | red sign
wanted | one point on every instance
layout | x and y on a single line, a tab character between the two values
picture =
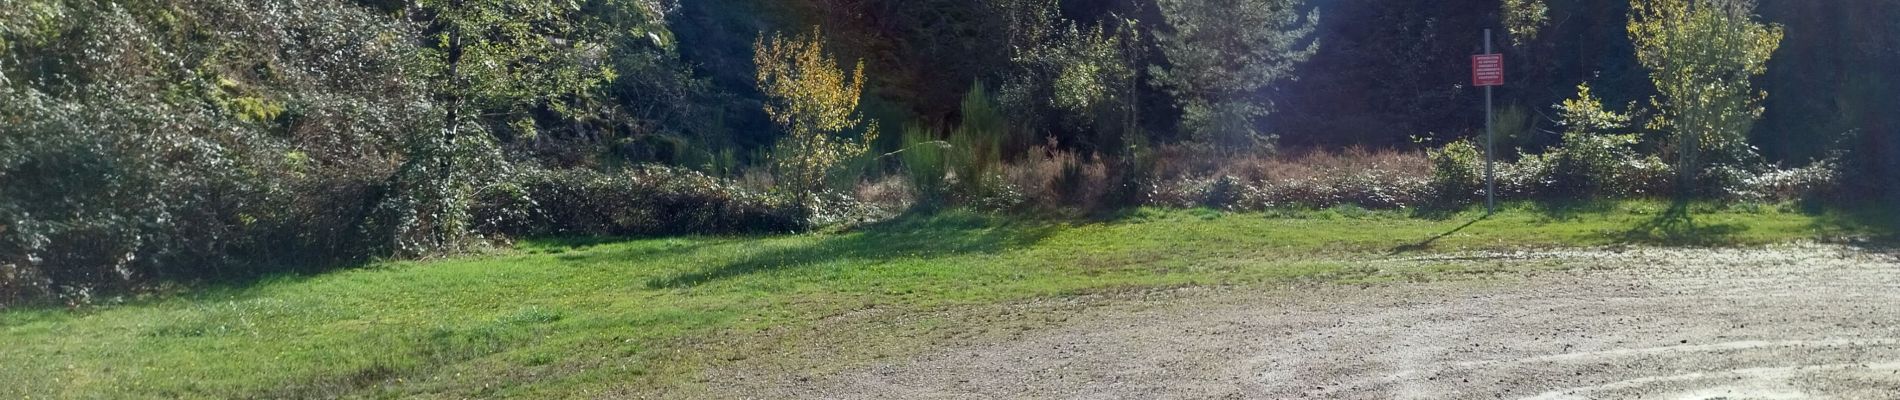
1487	70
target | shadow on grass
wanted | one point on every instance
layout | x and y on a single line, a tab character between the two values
1427	243
569	243
906	237
1575	209
1870	225
645	250
1438	212
1677	226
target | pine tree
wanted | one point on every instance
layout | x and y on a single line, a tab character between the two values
1223	55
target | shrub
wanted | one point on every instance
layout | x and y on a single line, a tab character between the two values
1179	192
1223	192
646	200
1457	173
1725	181
1591	165
816	103
892	193
1527	178
1129	177
1648	176
1313	179
1053	178
1870	168
106	193
1596	160
1373	189
1820	178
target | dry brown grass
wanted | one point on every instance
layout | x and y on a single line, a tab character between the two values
1176	162
890	192
1368	178
1052	178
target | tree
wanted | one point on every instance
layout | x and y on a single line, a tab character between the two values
146	140
1097	83
1597	150
1701	55
816	103
1222	55
496	61
1524	19
1067	76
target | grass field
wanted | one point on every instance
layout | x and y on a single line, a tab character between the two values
563	318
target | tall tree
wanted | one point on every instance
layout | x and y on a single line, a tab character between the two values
1702	55
496	61
1223	55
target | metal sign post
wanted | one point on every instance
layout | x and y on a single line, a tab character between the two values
1487	70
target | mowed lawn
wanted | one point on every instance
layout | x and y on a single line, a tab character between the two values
574	318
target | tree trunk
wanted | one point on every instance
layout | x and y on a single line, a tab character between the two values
1686	165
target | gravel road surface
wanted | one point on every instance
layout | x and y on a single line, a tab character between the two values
1793	322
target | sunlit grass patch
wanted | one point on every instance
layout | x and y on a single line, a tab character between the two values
566	317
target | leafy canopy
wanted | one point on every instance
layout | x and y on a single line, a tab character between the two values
815	102
1701	55
1585	114
1525	19
492	59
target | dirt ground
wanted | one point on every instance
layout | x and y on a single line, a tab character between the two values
1792	322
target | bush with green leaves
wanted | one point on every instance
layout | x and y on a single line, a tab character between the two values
1457	172
146	141
1814	181
142	141
1594	151
1079	81
642	201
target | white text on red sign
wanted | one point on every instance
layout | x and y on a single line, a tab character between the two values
1487	70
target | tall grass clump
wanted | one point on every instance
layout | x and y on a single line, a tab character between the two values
977	145
926	162
1052	178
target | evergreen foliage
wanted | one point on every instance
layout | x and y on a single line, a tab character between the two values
1222	58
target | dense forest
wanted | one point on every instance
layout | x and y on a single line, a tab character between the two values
145	141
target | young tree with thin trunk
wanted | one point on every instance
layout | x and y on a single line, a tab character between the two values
816	103
1701	55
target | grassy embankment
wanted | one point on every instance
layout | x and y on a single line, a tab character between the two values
565	318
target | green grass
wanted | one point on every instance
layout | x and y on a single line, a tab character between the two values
568	318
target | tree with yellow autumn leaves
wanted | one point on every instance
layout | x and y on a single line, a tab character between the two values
816	103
